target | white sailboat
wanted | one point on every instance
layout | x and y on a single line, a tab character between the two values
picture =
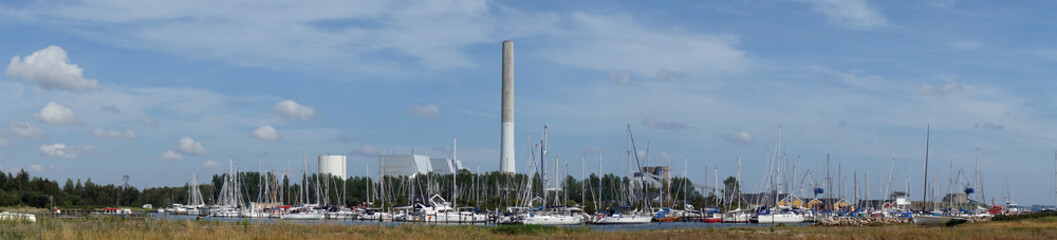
925	218
627	215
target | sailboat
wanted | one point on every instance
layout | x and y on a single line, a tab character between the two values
779	213
925	218
307	211
626	214
737	215
551	215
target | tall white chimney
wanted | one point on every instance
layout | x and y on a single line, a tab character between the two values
506	148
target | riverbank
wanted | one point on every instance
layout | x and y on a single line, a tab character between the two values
115	228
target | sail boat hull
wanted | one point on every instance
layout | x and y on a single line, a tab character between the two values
929	220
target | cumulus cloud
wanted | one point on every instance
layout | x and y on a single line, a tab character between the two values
51	69
146	120
365	150
62	151
650	122
188	145
291	109
740	138
266	132
990	126
210	164
856	14
940	90
966	44
114	134
55	113
170	155
109	109
429	111
35	168
24	130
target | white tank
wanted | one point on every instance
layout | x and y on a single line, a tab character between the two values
332	164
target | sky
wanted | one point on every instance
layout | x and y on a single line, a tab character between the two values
157	90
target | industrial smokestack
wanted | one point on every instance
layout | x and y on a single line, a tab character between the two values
506	148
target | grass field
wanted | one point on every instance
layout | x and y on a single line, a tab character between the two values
112	228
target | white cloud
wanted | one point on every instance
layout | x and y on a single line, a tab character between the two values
665	156
429	111
170	155
365	150
62	151
857	14
35	167
50	68
940	90
4	142
24	130
146	120
666	125
114	134
620	43
287	33
55	113
210	164
266	132
966	44
188	145
291	109
740	138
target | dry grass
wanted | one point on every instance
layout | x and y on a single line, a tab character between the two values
110	228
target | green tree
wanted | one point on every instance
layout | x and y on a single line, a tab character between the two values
732	188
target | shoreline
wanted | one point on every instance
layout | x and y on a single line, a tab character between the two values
115	228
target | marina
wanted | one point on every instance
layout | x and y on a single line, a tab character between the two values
481	119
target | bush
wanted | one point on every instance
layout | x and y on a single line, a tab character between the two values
35	199
9	198
1024	216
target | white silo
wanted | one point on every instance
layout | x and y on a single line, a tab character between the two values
331	164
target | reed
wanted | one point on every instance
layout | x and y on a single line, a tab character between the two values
116	228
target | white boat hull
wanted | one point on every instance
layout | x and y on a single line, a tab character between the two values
549	219
621	219
303	216
780	218
937	220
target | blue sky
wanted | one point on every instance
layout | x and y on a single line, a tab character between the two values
105	88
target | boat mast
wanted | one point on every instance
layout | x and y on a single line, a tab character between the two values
737	185
926	186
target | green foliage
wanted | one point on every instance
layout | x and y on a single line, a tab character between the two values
1039	216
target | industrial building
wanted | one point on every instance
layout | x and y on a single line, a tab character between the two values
331	164
654	176
413	164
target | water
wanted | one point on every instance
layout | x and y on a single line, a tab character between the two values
603	228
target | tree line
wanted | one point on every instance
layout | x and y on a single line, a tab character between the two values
486	191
